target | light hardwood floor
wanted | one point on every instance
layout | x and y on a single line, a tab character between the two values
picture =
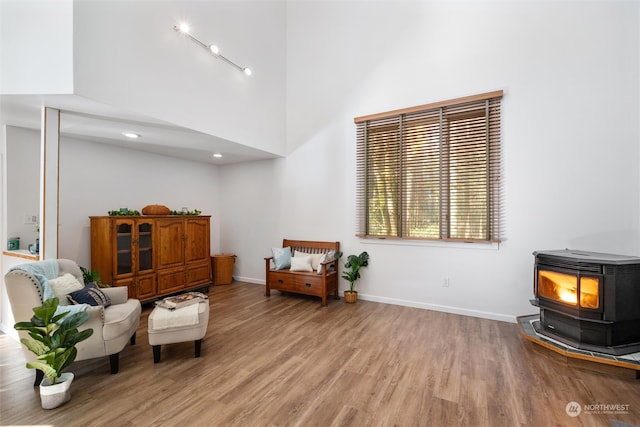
287	361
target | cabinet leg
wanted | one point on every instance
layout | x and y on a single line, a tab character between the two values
156	353
198	346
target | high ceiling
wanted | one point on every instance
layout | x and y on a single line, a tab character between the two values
88	120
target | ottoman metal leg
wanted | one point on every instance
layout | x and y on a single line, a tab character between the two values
156	353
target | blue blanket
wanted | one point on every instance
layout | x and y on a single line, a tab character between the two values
43	271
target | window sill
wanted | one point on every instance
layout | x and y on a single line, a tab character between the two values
484	246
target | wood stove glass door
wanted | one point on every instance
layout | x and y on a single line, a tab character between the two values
569	288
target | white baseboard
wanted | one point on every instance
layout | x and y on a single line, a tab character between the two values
415	304
249	280
443	308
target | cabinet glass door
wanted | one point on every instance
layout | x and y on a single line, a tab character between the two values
124	247
145	246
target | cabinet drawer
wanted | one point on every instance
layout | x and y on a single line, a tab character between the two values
170	280
308	284
281	280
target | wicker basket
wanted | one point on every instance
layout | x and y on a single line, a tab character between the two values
222	268
350	297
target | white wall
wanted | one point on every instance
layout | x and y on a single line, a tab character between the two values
37	46
23	183
96	178
126	54
570	131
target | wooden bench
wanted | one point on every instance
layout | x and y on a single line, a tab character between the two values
303	282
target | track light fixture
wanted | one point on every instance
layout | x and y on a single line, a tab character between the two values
213	49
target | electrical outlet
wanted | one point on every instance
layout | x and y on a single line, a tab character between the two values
30	219
445	282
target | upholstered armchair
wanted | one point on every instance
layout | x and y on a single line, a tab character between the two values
113	326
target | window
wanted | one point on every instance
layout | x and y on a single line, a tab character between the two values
431	172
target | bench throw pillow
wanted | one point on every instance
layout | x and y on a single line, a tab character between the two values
322	259
329	256
63	285
281	258
315	258
301	263
90	294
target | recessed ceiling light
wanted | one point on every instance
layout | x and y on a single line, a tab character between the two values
217	155
131	135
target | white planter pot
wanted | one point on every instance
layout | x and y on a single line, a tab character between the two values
54	395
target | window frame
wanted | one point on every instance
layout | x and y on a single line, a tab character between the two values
485	107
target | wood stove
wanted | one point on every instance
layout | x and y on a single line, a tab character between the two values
588	300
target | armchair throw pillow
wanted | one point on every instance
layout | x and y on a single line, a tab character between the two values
90	294
63	285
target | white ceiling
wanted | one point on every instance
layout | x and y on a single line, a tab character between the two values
88	120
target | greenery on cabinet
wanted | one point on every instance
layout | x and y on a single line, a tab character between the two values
124	212
186	212
130	212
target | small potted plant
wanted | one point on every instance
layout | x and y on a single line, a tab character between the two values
352	274
53	340
92	276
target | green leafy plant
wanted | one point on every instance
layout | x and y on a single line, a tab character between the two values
353	265
193	212
124	212
53	338
92	276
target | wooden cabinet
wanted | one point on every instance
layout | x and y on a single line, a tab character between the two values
153	255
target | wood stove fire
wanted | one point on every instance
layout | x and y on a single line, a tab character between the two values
589	300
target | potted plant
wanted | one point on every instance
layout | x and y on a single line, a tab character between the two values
53	340
352	273
92	276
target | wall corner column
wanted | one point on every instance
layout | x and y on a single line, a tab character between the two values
49	182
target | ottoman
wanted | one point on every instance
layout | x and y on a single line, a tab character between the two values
183	324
